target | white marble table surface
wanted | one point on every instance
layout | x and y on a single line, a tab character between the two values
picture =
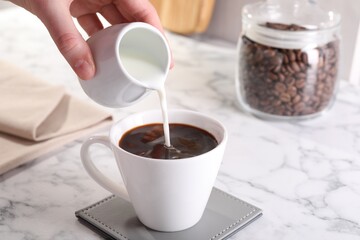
305	176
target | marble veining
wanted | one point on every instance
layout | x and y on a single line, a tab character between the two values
304	175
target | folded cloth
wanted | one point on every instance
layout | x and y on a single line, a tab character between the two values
36	117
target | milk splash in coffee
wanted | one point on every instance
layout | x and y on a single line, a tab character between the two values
151	76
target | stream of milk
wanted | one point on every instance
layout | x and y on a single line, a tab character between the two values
152	77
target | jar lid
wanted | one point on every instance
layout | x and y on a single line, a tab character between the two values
289	23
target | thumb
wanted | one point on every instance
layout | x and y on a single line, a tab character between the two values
67	38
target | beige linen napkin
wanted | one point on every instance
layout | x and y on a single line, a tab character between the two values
36	117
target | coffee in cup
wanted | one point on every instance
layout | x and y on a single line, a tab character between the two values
186	141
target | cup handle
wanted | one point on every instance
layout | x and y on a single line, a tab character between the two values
95	173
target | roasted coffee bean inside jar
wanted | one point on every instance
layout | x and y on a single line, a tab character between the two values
287	82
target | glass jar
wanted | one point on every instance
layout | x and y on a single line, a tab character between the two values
288	57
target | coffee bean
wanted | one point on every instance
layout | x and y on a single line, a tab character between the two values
283	81
280	87
290	81
289	68
330	53
286	59
277	26
333	60
273	76
304	58
300	83
333	71
281	77
306	98
322	76
268	80
275	61
320	86
296	99
299	106
277	103
300	75
258	57
277	69
303	66
292	91
298	54
321	62
285	97
319	92
291	55
295	67
269	53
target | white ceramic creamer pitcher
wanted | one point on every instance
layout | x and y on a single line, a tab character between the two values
130	59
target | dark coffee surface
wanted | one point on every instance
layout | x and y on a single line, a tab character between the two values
148	141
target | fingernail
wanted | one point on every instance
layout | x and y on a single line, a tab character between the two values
84	69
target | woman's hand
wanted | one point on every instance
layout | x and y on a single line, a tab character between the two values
57	17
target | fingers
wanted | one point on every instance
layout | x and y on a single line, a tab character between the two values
73	47
85	11
139	10
79	8
83	7
112	15
90	23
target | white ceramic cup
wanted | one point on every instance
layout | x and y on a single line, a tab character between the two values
167	195
115	84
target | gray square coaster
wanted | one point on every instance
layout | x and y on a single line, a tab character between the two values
224	216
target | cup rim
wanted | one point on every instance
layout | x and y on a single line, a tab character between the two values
221	142
135	25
